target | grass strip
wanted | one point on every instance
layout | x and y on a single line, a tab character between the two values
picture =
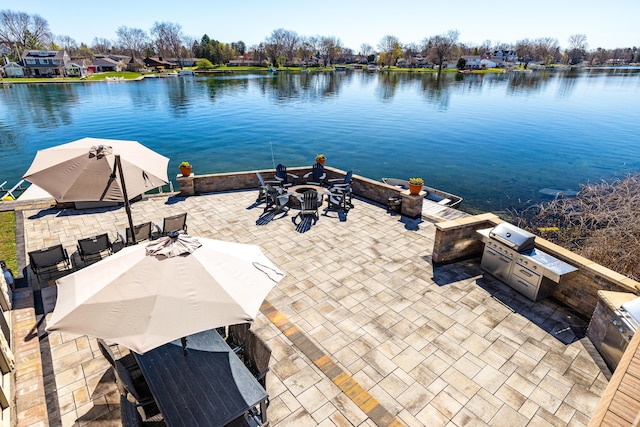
8	240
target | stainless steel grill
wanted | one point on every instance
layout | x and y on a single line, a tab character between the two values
513	237
624	324
630	314
510	255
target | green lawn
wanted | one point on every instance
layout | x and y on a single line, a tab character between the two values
8	240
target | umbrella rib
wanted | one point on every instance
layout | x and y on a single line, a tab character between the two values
111	178
257	265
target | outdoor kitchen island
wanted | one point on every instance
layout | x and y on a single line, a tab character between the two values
509	254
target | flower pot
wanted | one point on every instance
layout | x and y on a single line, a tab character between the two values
186	170
415	188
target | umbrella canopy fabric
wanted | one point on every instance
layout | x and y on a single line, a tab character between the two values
84	170
143	300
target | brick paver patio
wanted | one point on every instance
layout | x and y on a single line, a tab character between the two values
364	329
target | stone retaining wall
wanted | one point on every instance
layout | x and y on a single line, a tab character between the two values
456	240
370	189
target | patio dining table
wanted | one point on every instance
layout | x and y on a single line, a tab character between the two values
206	384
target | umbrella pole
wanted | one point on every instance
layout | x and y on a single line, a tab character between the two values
127	206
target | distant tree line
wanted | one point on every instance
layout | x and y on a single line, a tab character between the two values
20	31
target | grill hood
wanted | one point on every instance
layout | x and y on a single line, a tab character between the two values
513	237
633	308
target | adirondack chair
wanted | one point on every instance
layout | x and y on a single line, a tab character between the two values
283	176
316	176
262	188
276	198
309	203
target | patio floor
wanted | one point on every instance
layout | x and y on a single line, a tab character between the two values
364	330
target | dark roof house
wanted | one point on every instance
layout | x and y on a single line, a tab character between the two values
45	63
158	63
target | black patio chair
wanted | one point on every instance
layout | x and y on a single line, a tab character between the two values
237	337
139	391
175	223
257	355
48	260
91	248
128	361
283	176
130	417
142	232
316	176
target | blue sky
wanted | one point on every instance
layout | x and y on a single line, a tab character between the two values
607	24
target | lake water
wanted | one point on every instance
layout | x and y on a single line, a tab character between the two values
494	139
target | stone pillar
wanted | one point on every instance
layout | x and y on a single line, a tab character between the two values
186	183
412	204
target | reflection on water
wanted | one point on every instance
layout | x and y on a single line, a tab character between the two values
41	105
495	139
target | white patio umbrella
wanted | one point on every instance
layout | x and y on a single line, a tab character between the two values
93	169
145	296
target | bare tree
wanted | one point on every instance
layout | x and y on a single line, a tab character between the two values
330	49
366	49
132	40
282	44
22	31
68	44
411	50
545	49
101	45
525	51
441	46
577	48
390	49
258	53
167	37
485	47
306	50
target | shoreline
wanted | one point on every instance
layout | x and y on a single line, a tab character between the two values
297	70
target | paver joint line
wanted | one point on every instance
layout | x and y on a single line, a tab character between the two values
349	386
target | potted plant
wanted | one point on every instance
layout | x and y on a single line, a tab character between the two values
415	185
320	158
185	168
